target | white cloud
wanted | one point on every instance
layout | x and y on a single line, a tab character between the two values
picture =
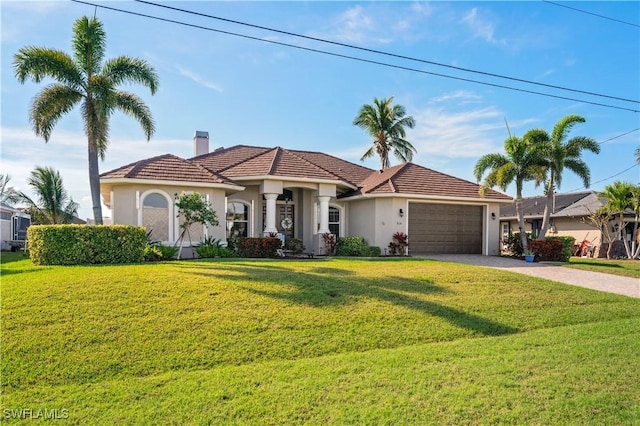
66	152
198	79
546	74
481	27
464	96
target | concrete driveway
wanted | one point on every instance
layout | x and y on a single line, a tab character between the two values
594	280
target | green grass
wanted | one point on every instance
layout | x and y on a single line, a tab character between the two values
625	268
315	341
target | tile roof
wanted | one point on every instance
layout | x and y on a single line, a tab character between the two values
167	167
568	204
409	178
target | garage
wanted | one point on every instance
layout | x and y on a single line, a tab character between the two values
445	229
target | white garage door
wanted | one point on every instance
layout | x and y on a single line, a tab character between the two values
445	228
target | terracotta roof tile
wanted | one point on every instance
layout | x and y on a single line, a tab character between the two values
167	167
409	178
225	158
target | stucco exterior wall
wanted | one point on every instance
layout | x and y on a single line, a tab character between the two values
361	220
567	227
127	201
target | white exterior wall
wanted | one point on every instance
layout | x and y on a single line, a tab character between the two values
125	205
361	219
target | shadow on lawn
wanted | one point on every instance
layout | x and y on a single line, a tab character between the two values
327	287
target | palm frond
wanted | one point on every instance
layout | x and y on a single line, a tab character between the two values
135	107
124	69
50	105
37	63
89	43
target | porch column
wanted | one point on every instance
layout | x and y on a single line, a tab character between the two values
324	215
270	219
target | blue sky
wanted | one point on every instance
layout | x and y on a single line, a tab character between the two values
245	91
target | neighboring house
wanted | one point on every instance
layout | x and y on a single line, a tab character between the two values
569	217
305	194
13	227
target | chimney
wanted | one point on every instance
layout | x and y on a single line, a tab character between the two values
200	143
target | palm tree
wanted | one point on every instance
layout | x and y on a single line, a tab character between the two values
386	124
638	155
53	205
8	195
560	153
88	80
520	163
620	198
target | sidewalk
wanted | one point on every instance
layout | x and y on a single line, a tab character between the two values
625	286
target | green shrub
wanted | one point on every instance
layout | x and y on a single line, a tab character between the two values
168	252
514	245
226	252
567	247
372	251
152	253
82	245
352	246
209	247
259	247
547	249
295	245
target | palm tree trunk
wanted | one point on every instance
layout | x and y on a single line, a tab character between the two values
94	183
548	209
520	215
623	237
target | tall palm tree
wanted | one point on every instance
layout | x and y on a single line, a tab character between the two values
638	155
8	195
520	163
620	199
560	153
386	124
53	204
86	79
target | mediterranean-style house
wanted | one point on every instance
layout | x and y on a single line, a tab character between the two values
304	194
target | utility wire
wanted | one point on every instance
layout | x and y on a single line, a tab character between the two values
607	178
424	61
591	13
619	136
356	58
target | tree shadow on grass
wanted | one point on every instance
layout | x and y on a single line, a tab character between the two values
322	287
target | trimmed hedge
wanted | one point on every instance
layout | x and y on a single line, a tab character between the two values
259	247
547	249
356	246
567	247
84	245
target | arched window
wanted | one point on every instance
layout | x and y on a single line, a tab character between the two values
237	219
155	215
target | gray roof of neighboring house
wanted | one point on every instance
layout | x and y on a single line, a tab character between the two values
572	204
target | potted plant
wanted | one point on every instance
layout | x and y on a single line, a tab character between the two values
529	256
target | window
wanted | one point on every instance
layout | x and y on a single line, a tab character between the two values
155	216
334	221
237	219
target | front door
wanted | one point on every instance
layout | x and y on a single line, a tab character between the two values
285	219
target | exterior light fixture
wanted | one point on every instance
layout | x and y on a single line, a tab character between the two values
493	215
401	213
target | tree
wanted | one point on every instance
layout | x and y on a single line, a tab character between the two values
53	205
8	195
601	219
386	123
193	208
621	198
638	155
86	79
560	153
520	163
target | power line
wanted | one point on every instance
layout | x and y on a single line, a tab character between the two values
619	136
591	13
424	61
358	59
607	178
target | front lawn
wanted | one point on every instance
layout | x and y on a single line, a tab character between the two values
314	341
625	268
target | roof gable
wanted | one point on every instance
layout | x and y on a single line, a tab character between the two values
410	178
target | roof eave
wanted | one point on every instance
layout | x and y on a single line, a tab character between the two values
483	200
129	181
294	179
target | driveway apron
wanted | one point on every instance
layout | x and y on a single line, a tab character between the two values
626	286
